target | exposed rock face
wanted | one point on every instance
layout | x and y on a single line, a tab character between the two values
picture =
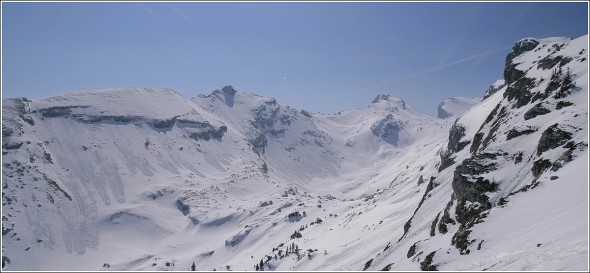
58	111
552	138
209	132
429	188
433	225
181	204
259	144
499	84
511	74
472	197
519	90
229	90
387	129
549	61
523	45
446	218
513	133
456	133
237	238
562	104
470	186
519	86
442	113
411	251
537	110
540	166
381	97
427	265
390	102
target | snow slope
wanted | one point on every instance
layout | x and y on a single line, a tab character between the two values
517	141
144	179
139	190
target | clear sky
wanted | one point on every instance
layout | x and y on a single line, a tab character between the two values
322	57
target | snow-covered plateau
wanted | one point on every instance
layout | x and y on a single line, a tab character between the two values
144	179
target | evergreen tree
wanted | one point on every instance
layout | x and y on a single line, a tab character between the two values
193	267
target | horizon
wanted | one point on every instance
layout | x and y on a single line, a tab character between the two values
302	54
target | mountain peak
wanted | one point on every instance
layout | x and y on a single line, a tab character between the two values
122	102
523	45
386	97
229	90
381	97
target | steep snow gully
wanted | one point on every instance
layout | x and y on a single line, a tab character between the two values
143	179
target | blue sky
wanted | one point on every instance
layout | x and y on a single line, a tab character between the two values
322	57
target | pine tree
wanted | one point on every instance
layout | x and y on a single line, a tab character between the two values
193	267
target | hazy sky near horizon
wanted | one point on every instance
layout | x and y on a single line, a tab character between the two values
322	57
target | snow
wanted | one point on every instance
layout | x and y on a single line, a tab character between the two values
104	186
455	107
472	119
563	218
146	102
499	83
509	235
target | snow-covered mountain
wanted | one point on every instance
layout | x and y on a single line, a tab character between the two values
456	106
144	179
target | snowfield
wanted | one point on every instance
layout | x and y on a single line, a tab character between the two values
144	179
